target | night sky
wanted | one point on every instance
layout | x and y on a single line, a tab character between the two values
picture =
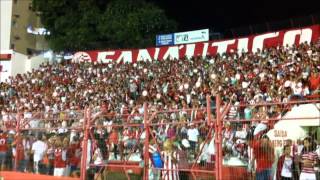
226	14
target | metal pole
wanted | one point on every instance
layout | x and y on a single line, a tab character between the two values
146	143
209	110
86	128
18	141
215	129
218	140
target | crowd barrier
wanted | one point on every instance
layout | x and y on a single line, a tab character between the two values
211	142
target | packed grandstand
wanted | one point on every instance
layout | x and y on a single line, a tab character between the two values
49	103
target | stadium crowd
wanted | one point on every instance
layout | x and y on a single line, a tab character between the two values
50	100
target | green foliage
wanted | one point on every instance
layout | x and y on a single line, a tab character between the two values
92	24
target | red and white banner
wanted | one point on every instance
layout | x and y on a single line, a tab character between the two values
250	43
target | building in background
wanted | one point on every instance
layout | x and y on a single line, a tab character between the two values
20	45
24	17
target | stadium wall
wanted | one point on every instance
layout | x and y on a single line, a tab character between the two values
5	24
251	43
19	64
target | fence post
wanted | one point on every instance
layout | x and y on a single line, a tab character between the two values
209	122
86	128
209	110
146	144
18	141
218	140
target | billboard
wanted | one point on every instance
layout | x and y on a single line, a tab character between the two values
191	36
248	44
165	40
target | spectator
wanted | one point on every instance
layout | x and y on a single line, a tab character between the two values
50	155
98	161
287	169
3	149
228	135
26	142
182	157
264	155
170	161
204	156
38	149
309	160
19	153
74	153
314	80
60	157
299	146
113	143
9	155
193	134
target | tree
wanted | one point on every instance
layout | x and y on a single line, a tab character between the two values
128	23
91	24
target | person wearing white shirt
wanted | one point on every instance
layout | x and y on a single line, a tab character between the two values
98	160
38	149
204	156
193	134
299	147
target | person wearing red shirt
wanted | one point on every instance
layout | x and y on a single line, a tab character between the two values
19	154
314	81
3	149
74	153
60	156
263	152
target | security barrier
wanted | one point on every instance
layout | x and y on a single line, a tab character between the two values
217	141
